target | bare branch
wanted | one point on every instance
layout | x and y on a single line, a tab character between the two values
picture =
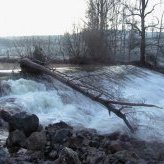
154	25
134	26
151	10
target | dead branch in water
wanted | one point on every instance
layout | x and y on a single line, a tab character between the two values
31	67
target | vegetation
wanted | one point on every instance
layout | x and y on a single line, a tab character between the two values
114	31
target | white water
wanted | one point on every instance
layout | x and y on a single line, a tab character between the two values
67	105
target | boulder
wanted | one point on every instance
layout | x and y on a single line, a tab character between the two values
27	123
95	156
15	140
5	115
115	146
126	156
61	136
68	156
58	132
36	141
58	126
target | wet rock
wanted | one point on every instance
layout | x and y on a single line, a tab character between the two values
75	142
6	116
15	140
124	138
114	136
95	156
58	126
36	141
27	123
149	153
68	156
115	146
94	144
126	156
40	128
53	154
86	133
126	145
61	136
105	144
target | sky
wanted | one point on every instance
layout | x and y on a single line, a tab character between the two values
39	17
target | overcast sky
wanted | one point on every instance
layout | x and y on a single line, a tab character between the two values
39	17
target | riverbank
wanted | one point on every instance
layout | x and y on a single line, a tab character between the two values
60	143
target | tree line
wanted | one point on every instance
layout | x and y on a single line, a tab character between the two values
113	31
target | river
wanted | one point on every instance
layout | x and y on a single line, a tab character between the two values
53	102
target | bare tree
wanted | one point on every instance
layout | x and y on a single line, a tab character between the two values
142	13
100	15
73	46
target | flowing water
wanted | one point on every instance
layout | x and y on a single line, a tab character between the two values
59	102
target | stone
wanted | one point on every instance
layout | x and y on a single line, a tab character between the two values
95	156
126	156
68	156
61	136
16	138
27	123
58	126
36	141
53	154
5	115
115	146
114	136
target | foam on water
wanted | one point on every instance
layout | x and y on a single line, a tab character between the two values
67	105
62	104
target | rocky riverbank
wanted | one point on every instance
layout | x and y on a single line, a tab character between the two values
60	143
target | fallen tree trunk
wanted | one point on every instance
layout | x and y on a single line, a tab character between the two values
31	67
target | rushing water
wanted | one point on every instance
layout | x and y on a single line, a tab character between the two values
59	102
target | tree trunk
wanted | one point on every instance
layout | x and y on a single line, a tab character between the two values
143	41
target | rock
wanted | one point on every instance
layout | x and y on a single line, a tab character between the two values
27	123
58	132
75	142
114	136
5	115
94	144
36	141
124	138
149	154
115	146
58	126
126	156
15	140
53	154
40	128
68	156
95	156
61	136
